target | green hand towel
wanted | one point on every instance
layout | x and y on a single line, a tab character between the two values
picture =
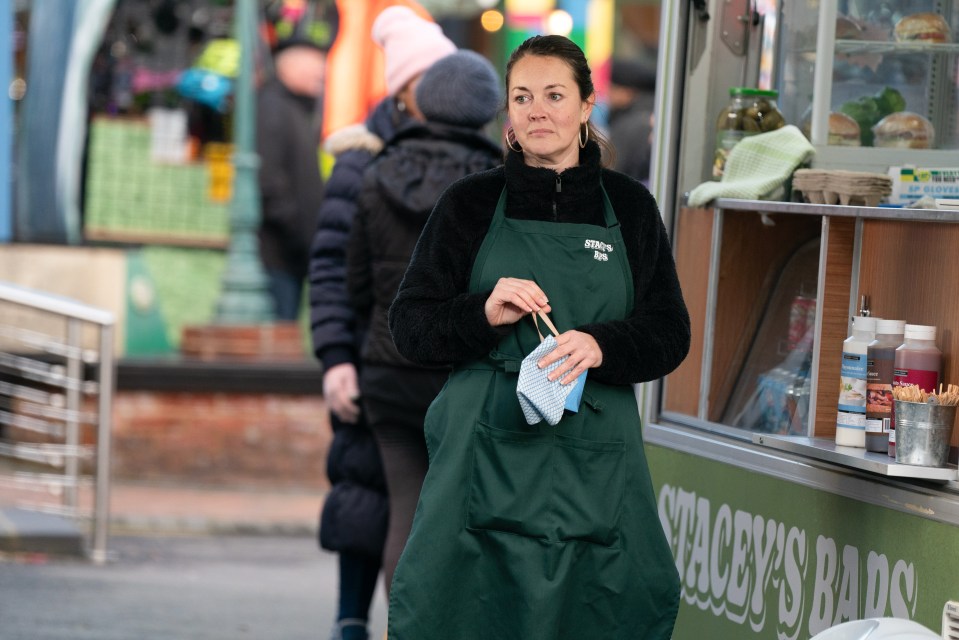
757	167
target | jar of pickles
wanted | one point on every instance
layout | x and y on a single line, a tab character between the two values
750	111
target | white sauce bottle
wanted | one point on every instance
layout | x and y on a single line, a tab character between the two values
851	417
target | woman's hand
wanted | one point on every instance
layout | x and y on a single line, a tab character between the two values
341	390
583	351
513	298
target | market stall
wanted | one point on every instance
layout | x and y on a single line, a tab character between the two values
778	523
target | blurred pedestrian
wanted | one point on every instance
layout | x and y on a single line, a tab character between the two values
528	530
457	97
357	500
632	92
291	189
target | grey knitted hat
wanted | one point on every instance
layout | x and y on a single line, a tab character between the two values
460	89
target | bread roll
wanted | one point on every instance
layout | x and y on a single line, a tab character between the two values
922	27
843	130
904	130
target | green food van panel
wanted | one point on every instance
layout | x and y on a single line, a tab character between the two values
761	557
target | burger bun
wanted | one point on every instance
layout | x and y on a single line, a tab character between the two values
922	27
843	130
904	130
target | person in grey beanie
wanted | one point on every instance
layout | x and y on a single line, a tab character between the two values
461	90
457	96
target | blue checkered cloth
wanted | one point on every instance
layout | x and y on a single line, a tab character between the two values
539	397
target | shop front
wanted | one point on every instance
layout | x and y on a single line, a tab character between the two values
779	529
123	135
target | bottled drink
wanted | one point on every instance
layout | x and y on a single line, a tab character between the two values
851	418
880	363
918	361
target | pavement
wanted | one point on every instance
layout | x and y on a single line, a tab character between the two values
184	562
171	587
165	509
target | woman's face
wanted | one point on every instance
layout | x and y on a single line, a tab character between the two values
546	111
302	70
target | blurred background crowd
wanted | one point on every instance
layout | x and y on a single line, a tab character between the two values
120	122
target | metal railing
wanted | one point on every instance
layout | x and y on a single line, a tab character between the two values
57	379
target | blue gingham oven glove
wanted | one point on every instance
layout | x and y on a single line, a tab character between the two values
539	397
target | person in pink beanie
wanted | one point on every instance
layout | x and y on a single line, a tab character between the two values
410	45
354	517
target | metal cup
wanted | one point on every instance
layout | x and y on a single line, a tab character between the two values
923	432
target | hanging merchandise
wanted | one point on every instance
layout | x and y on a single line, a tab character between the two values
169	140
208	81
880	362
165	17
220	56
851	419
918	362
205	87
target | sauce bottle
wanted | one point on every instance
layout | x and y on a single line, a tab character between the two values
918	361
851	418
880	363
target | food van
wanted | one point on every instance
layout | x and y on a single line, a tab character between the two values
776	531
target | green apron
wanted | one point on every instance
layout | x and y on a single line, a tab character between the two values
537	532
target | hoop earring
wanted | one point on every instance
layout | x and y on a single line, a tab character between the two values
510	139
582	140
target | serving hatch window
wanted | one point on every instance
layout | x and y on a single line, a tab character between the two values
752	297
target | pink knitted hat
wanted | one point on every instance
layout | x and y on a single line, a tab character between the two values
410	45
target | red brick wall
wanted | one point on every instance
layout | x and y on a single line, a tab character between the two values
221	439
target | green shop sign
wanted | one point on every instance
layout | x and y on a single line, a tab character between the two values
761	557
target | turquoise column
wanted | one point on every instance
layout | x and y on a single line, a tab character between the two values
38	213
244	298
6	122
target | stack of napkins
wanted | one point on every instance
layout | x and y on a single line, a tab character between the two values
835	186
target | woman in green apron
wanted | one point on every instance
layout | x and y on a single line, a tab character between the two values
536	531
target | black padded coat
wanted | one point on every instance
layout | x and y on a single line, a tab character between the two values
355	513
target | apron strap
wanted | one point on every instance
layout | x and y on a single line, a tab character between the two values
549	323
487	246
609	215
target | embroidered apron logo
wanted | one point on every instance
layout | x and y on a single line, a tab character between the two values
600	250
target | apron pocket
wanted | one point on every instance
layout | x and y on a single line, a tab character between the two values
546	486
510	482
589	481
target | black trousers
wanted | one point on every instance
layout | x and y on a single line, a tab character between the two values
395	401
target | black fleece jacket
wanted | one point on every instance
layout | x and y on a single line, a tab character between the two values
435	319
